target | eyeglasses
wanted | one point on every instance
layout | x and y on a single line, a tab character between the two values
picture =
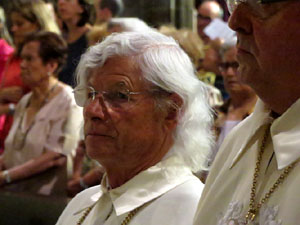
226	65
232	4
201	17
117	97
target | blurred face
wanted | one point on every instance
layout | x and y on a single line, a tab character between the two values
122	132
21	27
206	12
211	60
33	70
268	44
69	9
230	76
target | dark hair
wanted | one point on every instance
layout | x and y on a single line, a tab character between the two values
85	15
115	6
52	47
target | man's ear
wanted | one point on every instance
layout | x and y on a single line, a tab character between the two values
174	109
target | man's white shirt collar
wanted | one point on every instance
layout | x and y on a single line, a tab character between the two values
285	133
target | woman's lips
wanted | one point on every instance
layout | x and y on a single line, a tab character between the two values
95	134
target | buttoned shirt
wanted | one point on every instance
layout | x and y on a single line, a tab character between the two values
167	193
226	196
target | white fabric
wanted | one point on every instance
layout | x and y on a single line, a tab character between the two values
225	129
168	193
56	128
225	199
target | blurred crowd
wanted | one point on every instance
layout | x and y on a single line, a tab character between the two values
41	44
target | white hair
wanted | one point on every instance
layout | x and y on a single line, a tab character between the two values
167	66
129	24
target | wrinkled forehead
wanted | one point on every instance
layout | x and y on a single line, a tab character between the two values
118	70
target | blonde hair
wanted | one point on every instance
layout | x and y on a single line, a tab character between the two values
188	40
36	11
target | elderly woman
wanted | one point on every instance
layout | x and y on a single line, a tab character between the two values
46	121
242	98
148	124
26	17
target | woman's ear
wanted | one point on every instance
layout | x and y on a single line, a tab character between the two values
52	66
173	111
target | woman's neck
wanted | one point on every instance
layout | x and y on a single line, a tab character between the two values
42	89
240	106
242	99
74	31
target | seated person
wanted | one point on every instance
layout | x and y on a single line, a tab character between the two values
46	120
25	17
148	123
86	173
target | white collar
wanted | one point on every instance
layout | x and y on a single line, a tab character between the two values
285	133
149	184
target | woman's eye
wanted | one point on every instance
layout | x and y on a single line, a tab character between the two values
117	96
90	95
123	95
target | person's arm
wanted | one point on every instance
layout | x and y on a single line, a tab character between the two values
78	159
11	94
32	167
1	163
7	109
91	178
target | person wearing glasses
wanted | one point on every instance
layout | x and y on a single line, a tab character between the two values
241	100
207	11
255	177
148	123
46	123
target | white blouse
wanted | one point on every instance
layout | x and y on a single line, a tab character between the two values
55	128
167	193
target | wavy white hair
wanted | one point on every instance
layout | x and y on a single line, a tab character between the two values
167	66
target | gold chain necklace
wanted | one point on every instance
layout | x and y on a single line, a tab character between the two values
127	219
254	208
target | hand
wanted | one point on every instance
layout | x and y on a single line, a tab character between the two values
74	187
11	94
61	161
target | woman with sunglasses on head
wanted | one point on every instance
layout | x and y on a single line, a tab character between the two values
46	121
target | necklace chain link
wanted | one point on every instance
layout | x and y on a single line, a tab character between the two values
254	208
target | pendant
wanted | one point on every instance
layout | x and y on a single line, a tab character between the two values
19	140
251	215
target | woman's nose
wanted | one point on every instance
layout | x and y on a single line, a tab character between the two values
96	108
